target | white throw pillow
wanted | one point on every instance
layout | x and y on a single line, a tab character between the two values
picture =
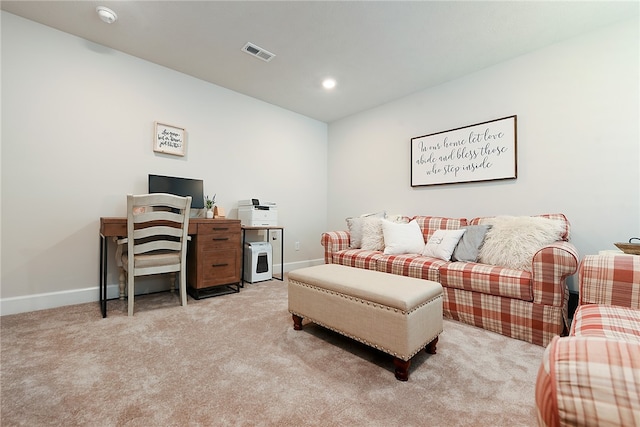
442	243
513	241
402	238
372	236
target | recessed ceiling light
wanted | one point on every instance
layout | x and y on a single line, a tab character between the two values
329	83
107	15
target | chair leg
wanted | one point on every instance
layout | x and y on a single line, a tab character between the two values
130	293
183	287
121	282
172	282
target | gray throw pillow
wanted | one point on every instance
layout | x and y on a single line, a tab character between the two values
355	230
469	245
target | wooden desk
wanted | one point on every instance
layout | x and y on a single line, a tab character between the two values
214	255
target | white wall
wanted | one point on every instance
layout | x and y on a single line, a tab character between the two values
77	124
578	142
77	121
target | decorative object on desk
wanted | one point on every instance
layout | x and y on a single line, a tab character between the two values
169	139
210	204
218	212
630	248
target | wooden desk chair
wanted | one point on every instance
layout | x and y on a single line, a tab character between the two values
157	226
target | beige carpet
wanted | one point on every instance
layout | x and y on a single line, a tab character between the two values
236	360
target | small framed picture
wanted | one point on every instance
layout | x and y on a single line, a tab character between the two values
169	139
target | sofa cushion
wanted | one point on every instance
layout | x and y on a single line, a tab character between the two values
613	322
411	265
487	279
513	241
402	238
358	258
468	247
442	243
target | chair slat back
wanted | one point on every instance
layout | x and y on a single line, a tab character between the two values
157	222
157	245
156	215
141	233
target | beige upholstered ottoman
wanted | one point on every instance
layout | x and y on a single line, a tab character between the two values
395	314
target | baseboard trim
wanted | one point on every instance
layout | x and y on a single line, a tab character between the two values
44	301
290	266
48	300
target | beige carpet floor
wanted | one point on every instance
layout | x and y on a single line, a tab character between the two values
236	360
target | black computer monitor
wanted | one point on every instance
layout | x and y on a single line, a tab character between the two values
180	187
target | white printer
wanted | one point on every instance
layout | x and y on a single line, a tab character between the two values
252	213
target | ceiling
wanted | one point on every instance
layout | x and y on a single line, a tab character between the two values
378	51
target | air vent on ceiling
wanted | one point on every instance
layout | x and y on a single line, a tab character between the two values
258	52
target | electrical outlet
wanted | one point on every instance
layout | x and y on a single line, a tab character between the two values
297	246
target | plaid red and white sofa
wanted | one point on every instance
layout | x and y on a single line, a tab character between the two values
527	305
592	377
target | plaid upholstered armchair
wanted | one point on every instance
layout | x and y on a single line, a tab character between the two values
592	377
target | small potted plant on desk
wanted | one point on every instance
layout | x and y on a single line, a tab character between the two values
210	203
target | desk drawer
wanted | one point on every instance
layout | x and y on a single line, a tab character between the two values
214	255
220	267
219	228
218	241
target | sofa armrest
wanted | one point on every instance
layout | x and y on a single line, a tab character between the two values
610	280
551	266
588	381
334	241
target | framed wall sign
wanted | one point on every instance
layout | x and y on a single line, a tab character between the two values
169	139
481	152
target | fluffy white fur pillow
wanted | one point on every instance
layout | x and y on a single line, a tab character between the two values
442	243
355	228
513	241
372	237
402	238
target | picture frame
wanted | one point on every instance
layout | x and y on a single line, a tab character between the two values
169	139
486	151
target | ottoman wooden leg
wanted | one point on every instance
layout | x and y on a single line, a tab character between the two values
431	347
402	368
297	322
